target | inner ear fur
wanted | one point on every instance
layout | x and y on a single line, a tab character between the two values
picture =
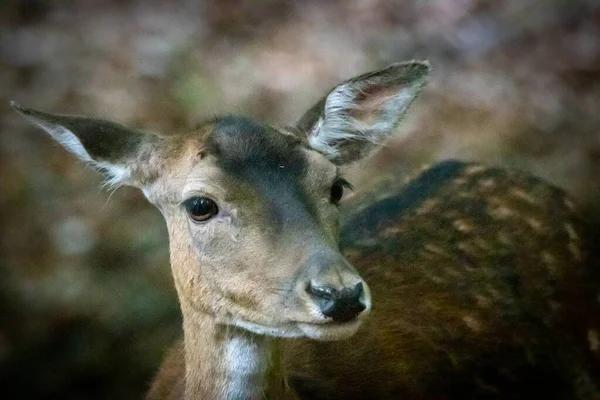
360	113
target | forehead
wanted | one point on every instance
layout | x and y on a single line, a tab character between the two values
245	148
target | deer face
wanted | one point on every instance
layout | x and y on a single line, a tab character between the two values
252	211
259	209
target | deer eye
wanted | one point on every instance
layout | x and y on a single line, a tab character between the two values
337	190
200	209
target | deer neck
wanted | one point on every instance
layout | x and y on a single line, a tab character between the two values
224	362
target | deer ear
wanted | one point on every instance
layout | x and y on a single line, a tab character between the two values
357	115
122	153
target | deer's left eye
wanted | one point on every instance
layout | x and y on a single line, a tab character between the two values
337	190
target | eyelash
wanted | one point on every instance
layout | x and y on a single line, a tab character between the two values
345	184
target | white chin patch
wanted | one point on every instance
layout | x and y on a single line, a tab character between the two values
327	332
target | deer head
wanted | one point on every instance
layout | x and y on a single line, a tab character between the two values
251	209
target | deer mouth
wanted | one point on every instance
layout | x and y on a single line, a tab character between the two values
325	330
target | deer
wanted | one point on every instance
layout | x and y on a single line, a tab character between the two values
467	281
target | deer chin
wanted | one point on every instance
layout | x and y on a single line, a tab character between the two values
289	330
331	330
325	331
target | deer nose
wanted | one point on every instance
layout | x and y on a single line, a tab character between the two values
341	305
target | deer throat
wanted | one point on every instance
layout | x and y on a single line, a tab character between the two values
225	362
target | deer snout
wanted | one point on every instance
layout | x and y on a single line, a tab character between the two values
331	288
341	305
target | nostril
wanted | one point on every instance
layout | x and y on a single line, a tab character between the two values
357	292
324	292
356	296
360	294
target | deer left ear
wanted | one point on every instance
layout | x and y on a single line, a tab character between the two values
362	112
124	154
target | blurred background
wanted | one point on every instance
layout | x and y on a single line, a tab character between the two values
87	306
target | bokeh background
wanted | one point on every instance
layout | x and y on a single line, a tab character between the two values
86	300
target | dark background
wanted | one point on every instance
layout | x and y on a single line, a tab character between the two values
86	299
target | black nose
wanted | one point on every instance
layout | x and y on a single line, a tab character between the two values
340	305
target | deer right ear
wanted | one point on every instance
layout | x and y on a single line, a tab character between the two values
124	154
359	114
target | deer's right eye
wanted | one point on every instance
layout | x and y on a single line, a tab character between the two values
200	209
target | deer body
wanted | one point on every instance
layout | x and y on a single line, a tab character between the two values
478	274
